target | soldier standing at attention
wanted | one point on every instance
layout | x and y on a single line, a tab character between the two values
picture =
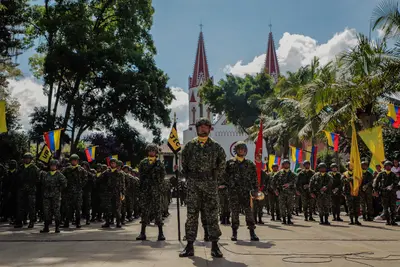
76	180
28	177
259	204
151	175
386	184
285	188
52	185
241	176
337	188
272	197
366	193
203	162
320	188
224	212
353	202
302	185
87	191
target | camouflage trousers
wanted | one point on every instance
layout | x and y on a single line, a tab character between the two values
74	205
353	204
241	201
306	204
202	195
87	202
389	205
164	203
336	199
112	206
258	207
273	203
96	204
151	208
324	204
223	203
26	203
367	203
51	207
129	200
286	203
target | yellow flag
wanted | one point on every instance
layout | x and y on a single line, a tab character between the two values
45	154
373	163
3	124
173	140
115	157
373	139
128	163
355	162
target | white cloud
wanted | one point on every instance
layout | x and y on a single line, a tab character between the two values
296	50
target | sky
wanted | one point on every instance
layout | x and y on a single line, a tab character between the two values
236	35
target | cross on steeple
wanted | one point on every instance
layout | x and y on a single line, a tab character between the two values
270	26
201	26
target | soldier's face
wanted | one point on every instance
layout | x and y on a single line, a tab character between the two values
388	167
53	167
334	169
27	160
113	165
378	168
241	152
152	154
396	163
307	166
322	169
126	170
74	162
275	169
203	130
286	165
364	166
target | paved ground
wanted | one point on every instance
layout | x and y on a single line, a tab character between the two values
305	242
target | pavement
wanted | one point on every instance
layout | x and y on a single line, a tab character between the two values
302	244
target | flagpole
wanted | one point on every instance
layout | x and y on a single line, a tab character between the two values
177	190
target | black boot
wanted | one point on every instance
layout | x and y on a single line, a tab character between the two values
228	222
87	220
306	216
46	227
31	224
142	235
338	218
351	220
253	236
289	220
161	236
321	219
357	222
272	217
78	221
326	220
66	223
283	220
278	217
106	224
215	252
57	230
18	224
394	223
388	222
188	251
260	221
311	218
234	234
334	217
206	236
118	223
221	219
364	217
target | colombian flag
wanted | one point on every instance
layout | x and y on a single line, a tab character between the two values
272	159
90	153
333	140
52	139
394	115
111	157
297	154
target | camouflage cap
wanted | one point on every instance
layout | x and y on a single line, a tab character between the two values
334	165
13	161
120	163
322	165
74	157
364	162
285	161
125	167
275	165
28	155
240	145
53	162
306	162
388	163
152	147
85	163
113	160
203	121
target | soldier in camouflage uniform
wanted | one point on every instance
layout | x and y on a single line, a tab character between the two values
272	197
129	194
203	162
386	184
241	177
302	185
320	188
52	185
96	211
151	175
76	180
28	177
87	191
223	195
337	189
136	195
366	193
258	209
353	202
166	197
285	188
9	191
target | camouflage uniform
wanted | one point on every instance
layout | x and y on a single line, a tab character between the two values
272	197
223	195
366	196
166	197
285	194
337	189
87	191
96	210
317	183
9	192
302	185
129	194
353	202
259	204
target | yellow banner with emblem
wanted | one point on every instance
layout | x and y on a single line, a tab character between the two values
45	155
173	140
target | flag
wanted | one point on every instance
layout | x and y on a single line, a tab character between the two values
374	162
373	139
273	159
297	154
394	115
128	163
3	123
52	139
355	162
173	140
314	157
90	153
258	153
333	140
45	154
111	157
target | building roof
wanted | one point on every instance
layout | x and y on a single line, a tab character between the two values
271	65
200	70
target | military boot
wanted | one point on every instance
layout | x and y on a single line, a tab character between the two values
334	217
289	220
234	234
305	216
31	224
46	227
57	230
18	224
88	220
311	218
351	220
118	223
394	223
278	217
206	235
188	251
106	224
338	218
142	235
215	252
78	221
221	219
260	221
228	222
283	220
364	217
321	219
272	217
388	221
161	236
326	220
253	236
357	222
66	223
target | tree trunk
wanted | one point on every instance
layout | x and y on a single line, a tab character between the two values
70	103
57	99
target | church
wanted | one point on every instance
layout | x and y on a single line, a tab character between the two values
225	133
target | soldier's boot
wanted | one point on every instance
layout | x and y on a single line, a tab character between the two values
18	224
66	224
46	227
272	216
228	222
31	224
311	218
351	220
289	220
326	220
370	218
253	236
87	220
321	219
206	235
394	223
215	252
388	221
78	221
334	217
142	235
364	217
278	217
283	220
188	251
357	222
161	236
106	224
338	218
221	219
234	234
260	221
118	223
306	216
57	230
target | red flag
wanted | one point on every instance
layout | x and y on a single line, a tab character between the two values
258	153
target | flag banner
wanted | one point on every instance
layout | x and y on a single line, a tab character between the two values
111	157
128	163
45	155
90	153
355	162
297	154
3	123
394	115
373	139
173	140
258	153
273	159
52	139
333	140
374	162
314	157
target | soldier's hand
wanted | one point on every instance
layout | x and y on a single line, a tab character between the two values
276	193
312	195
306	186
221	186
375	194
285	186
298	193
323	189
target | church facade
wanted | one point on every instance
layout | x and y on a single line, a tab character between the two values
224	132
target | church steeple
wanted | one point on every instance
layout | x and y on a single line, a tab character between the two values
200	71
271	65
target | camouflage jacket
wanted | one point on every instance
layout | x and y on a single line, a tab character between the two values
368	179
151	176
337	186
112	182
201	163
347	181
241	176
318	181
270	182
91	181
28	178
386	182
283	177
76	179
303	180
53	185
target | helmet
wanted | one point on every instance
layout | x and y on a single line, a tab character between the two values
113	160
334	165
28	155
203	121
285	161
322	165
53	162
125	167
74	157
240	145
120	163
388	163
152	147
275	165
364	162
306	162
85	163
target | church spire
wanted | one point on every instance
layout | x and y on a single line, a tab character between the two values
271	62
200	71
